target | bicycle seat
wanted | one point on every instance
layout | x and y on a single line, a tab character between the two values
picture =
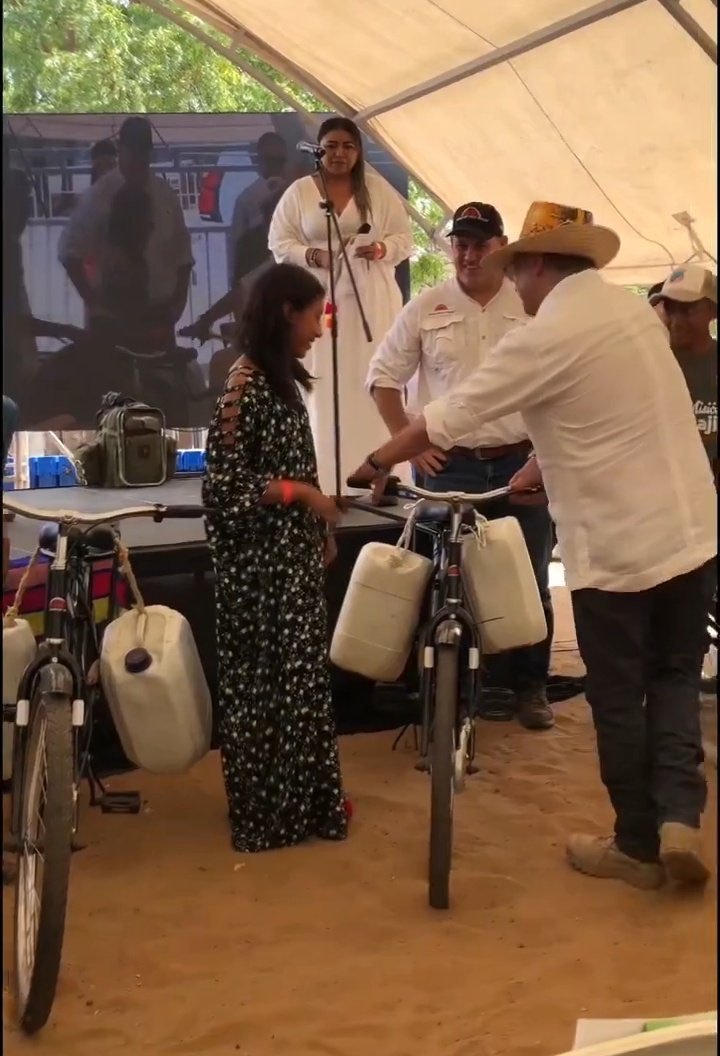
97	542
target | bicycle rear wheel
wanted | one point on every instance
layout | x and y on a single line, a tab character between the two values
43	865
442	756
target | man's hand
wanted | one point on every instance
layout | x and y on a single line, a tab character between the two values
197	331
527	485
430	462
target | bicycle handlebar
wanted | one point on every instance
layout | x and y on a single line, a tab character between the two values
452	498
157	511
394	487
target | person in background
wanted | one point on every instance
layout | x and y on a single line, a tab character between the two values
442	336
298	235
34	405
103	159
689	301
269	541
9	425
19	352
617	449
248	251
248	236
658	305
163	247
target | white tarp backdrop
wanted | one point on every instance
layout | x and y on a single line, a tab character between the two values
610	107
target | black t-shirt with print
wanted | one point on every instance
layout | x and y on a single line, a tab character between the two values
701	376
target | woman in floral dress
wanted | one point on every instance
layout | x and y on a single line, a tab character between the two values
269	542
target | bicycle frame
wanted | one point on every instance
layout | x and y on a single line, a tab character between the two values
450	624
54	707
54	669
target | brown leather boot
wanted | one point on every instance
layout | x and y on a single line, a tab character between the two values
680	853
534	711
599	856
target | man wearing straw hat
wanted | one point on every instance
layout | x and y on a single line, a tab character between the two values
632	496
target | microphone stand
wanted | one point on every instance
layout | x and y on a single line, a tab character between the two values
332	223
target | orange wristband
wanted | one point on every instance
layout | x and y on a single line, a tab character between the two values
287	492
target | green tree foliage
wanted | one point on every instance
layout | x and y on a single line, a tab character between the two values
116	56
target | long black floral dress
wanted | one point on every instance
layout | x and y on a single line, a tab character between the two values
277	734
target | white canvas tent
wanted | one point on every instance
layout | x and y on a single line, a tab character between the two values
610	107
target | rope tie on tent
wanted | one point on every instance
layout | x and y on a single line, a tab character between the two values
11	616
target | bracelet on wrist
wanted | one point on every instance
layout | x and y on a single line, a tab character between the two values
288	492
373	463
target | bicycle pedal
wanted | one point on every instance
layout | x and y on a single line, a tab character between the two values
120	803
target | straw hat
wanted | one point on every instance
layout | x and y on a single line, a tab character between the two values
561	229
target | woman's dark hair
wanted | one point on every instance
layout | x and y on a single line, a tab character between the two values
265	329
357	176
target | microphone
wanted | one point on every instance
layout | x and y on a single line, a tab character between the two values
310	148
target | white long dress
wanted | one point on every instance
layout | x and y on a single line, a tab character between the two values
298	224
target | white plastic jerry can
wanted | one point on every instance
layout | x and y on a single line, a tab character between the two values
156	689
380	612
19	648
500	586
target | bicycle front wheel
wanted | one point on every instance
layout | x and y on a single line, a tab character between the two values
44	851
442	757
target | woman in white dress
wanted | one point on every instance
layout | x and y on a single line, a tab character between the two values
298	235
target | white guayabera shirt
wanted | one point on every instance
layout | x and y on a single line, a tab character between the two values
439	339
610	417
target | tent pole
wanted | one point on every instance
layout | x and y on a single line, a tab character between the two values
506	53
277	90
675	9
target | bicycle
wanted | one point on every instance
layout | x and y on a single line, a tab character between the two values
52	750
165	377
447	640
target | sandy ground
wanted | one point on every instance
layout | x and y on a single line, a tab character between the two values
176	946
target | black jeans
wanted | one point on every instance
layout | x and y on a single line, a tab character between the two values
643	653
529	666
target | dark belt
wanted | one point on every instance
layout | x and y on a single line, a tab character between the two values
522	447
